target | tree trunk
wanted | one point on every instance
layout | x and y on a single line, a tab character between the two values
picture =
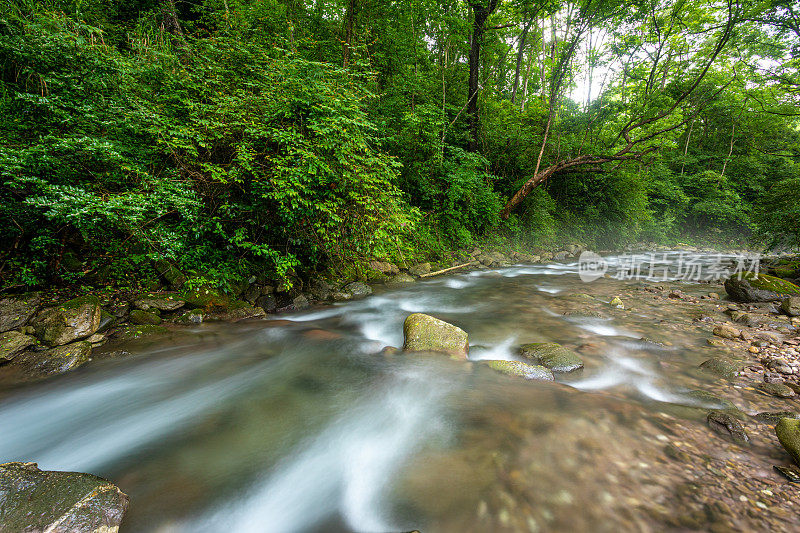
349	19
481	13
172	25
520	55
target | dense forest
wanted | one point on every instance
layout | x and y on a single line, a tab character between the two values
235	136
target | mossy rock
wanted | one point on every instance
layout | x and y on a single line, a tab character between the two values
17	310
788	432
12	343
59	360
190	318
524	370
722	366
552	355
142	318
170	273
34	500
234	311
424	333
205	299
162	302
753	287
75	319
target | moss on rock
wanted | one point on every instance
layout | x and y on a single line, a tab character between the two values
757	287
424	333
524	370
552	355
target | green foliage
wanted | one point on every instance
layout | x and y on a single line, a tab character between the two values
778	215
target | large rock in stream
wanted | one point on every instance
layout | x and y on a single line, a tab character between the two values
13	342
788	432
552	355
424	333
68	322
757	287
35	501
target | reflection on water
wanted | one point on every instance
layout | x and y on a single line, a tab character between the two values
276	427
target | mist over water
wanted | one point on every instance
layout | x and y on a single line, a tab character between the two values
266	427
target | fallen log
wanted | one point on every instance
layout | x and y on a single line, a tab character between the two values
445	271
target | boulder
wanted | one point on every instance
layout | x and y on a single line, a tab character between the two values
13	342
17	310
35	501
401	279
268	303
779	390
791	306
424	333
70	321
524	370
561	256
190	318
552	355
420	269
236	310
300	302
727	331
321	290
56	361
788	432
141	318
753	287
358	289
388	269
164	302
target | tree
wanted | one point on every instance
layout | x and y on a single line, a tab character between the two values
481	9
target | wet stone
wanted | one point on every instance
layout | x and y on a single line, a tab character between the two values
725	424
779	390
552	355
773	417
524	370
722	366
788	433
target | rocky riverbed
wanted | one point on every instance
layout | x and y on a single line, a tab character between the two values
561	405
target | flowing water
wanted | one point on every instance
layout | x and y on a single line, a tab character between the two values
297	425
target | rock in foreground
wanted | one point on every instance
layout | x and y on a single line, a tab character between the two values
788	432
35	501
70	321
424	333
753	287
552	355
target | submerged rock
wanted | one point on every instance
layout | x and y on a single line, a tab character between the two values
552	355
725	424
788	432
137	332
779	390
35	501
722	366
70	321
424	333
13	342
753	287
727	331
16	311
524	370
712	399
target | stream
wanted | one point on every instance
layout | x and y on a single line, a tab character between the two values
297	425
